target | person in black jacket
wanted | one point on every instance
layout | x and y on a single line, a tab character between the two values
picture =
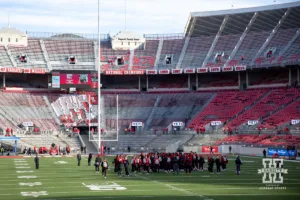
201	163
238	164
37	161
265	153
90	159
218	164
98	161
116	162
78	158
126	164
175	163
211	162
187	164
120	161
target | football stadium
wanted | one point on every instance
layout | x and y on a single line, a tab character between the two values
211	113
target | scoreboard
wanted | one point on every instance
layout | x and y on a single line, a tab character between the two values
74	80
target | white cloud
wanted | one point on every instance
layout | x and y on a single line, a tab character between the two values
143	16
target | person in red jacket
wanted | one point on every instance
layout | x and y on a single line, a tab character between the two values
147	164
156	164
188	164
224	162
139	164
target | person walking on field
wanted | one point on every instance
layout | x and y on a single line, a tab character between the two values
78	158
98	161
265	153
90	159
104	166
37	162
238	163
211	150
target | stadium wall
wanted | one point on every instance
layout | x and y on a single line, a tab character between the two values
224	149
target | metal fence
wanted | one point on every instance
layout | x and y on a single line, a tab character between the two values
73	36
170	36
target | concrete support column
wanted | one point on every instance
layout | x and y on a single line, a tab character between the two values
147	83
189	81
298	76
247	79
197	85
139	83
239	79
4	85
290	76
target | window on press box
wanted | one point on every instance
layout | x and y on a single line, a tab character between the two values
168	60
120	61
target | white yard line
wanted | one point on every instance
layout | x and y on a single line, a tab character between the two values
173	187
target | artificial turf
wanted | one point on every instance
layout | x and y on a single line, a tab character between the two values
66	180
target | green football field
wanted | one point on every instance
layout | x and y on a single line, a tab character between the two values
61	178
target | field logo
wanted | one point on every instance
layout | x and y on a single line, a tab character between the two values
105	186
272	171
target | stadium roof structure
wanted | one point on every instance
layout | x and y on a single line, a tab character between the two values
67	35
9	30
235	21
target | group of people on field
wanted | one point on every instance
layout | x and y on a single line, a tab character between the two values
168	162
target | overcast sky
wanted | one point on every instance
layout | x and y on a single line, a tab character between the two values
80	16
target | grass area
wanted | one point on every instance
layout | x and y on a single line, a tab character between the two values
68	181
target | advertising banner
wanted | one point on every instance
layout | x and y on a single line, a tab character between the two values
189	71
176	71
78	79
252	122
215	69
136	123
151	71
215	123
177	123
281	152
240	68
26	124
295	121
227	69
34	71
206	149
55	80
164	71
202	70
